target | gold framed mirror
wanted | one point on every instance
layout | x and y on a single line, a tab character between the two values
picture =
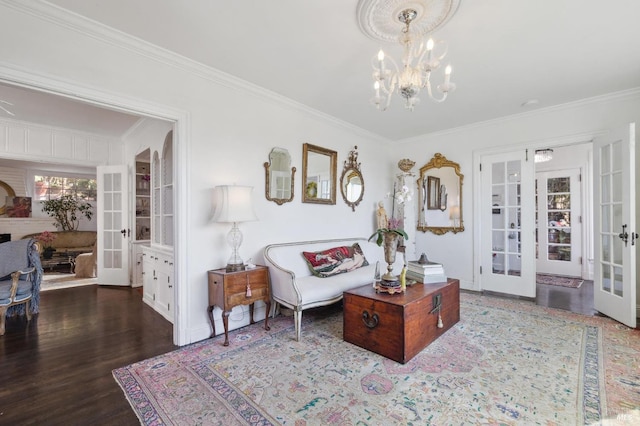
319	170
279	180
351	181
5	191
440	196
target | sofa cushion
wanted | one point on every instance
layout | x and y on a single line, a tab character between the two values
336	260
313	289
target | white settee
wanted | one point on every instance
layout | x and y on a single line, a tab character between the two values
294	286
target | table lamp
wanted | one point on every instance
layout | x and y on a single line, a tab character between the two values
233	205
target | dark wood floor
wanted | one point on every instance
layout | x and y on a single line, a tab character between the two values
579	300
57	369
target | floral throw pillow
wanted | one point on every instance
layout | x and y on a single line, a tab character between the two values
335	260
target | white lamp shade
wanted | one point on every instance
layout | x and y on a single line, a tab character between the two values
233	204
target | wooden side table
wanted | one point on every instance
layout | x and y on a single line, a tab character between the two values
229	289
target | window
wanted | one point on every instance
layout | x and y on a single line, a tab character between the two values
52	187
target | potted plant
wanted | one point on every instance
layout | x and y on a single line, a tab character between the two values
390	236
67	211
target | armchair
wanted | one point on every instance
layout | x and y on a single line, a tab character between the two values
20	278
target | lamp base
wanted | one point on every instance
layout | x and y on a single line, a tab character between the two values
235	267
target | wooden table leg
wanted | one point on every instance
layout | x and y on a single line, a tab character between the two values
225	321
266	317
213	324
251	321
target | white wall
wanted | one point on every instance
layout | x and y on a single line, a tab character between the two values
223	137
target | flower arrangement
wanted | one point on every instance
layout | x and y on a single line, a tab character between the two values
146	178
46	238
394	225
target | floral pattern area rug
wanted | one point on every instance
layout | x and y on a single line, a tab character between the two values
505	362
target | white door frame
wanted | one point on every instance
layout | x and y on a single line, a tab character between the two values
181	120
531	146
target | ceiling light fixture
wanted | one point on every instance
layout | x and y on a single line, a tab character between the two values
543	155
419	59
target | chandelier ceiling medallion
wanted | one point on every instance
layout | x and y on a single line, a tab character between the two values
413	21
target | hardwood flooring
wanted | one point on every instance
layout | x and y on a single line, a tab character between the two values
57	369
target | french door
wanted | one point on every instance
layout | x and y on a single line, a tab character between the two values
615	231
507	224
114	230
559	225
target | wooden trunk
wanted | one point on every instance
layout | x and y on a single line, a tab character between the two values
399	326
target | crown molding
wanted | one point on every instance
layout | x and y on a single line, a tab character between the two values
46	11
608	97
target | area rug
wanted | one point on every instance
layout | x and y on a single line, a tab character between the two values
548	279
506	362
55	281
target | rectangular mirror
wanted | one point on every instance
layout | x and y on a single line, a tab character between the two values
433	193
319	169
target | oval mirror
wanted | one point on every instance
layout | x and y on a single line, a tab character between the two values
351	182
279	179
440	196
319	169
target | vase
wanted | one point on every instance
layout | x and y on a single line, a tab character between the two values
390	247
47	253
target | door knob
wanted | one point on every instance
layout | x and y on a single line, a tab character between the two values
624	235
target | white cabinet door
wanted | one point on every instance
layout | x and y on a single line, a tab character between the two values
148	277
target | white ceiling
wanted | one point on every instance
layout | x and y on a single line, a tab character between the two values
503	52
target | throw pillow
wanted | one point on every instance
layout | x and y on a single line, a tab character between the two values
335	260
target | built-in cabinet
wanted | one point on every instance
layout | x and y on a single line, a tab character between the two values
156	256
157	273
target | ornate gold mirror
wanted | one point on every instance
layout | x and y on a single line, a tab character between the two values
319	169
5	191
279	179
351	182
440	196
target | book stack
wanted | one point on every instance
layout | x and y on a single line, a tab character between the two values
427	272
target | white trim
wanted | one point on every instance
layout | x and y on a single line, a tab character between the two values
615	96
181	120
96	30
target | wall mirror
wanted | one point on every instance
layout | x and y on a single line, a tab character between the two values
5	192
279	176
351	182
319	169
440	196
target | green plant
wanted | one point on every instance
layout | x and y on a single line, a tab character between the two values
67	211
380	233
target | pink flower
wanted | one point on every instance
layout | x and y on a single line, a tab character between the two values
46	237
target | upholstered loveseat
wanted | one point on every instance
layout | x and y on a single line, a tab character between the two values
72	242
294	285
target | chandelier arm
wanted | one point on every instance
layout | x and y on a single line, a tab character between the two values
444	94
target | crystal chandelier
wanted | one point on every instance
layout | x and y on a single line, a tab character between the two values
419	59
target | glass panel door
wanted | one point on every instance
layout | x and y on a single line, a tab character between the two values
507	213
559	230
